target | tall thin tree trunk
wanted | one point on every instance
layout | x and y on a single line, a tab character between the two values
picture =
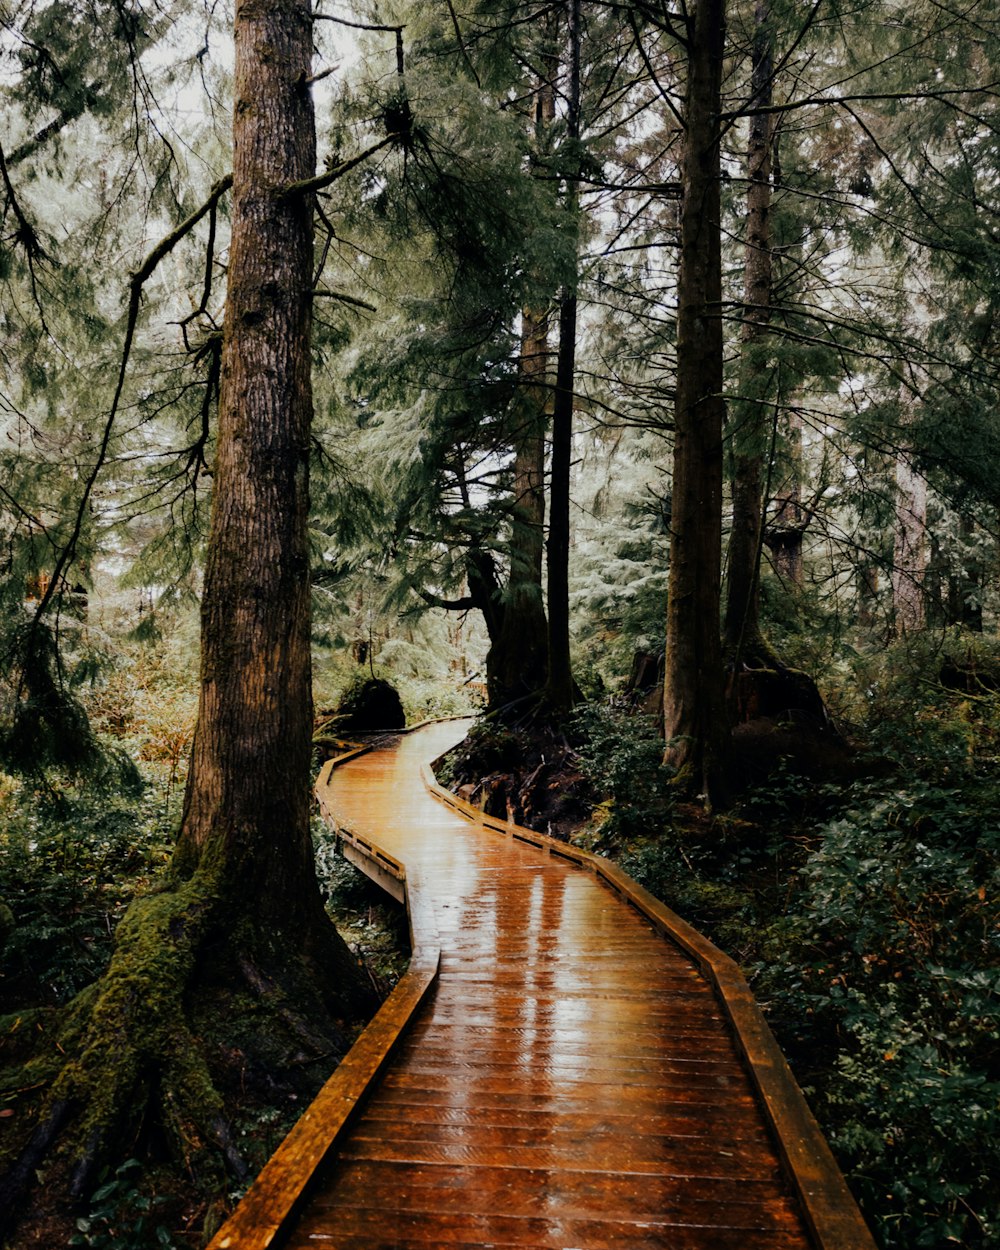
784	535
752	433
695	720
909	561
965	585
559	687
868	591
910	548
520	665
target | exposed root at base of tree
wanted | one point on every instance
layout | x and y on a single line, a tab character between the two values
530	774
194	1008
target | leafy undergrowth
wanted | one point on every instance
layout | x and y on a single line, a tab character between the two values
866	916
864	910
71	860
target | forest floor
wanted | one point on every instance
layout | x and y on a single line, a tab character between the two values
66	921
862	905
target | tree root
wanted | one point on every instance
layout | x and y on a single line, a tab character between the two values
132	1062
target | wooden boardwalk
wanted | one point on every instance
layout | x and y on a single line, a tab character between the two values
565	1075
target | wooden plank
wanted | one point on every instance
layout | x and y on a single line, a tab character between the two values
830	1211
572	1079
367	1227
496	1190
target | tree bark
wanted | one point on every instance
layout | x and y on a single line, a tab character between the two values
910	554
520	668
521	665
559	690
751	434
695	721
786	531
909	562
247	801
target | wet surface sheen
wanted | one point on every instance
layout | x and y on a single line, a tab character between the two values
571	1083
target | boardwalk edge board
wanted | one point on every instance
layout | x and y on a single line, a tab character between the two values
828	1207
263	1217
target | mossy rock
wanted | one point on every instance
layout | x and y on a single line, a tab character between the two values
370	705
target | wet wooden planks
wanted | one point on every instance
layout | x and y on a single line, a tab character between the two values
571	1080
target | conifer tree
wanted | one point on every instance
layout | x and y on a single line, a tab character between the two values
694	708
239	906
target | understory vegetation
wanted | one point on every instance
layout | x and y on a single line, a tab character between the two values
73	856
864	910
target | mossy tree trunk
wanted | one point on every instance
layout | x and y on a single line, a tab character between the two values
695	722
240	907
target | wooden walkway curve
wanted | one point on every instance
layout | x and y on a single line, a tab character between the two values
565	1065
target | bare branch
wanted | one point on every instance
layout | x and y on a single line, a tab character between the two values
345	299
331	176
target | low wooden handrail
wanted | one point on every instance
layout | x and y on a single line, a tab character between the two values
276	1195
828	1206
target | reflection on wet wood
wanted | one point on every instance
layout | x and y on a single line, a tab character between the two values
573	1077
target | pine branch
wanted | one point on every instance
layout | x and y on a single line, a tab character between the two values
861	98
307	185
389	30
449	605
167	244
138	279
345	299
57	124
461	44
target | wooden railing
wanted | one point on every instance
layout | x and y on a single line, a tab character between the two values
276	1195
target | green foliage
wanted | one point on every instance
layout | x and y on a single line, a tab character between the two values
928	705
70	862
43	724
622	757
120	1216
888	951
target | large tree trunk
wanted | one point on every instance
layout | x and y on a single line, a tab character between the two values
239	912
695	720
248	797
559	690
751	434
